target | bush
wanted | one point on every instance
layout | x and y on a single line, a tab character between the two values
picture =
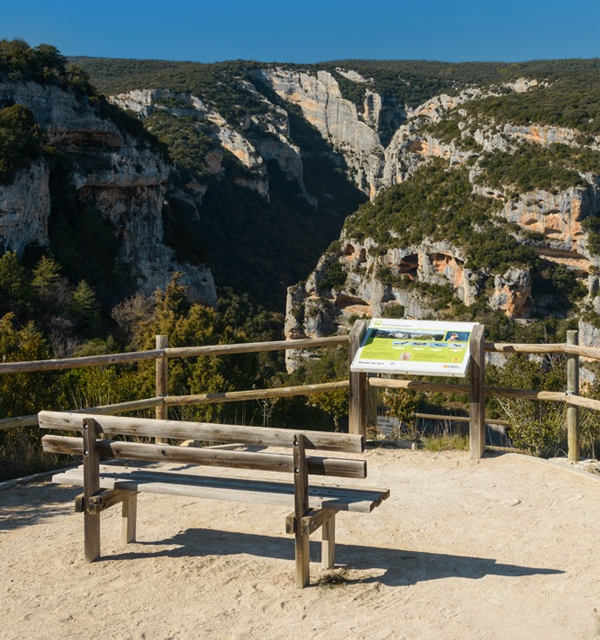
333	276
21	141
536	426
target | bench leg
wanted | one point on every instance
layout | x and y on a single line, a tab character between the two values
302	548
328	540
129	516
91	534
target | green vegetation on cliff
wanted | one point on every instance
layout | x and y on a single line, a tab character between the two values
21	141
531	166
437	203
218	83
568	99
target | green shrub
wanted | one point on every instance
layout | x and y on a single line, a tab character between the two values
333	276
21	141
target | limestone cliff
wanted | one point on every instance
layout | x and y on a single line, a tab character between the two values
109	170
377	126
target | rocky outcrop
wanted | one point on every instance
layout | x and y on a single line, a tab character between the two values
110	171
336	119
557	216
260	137
377	284
512	293
24	209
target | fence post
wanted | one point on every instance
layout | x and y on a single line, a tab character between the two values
573	388
477	393
357	413
162	380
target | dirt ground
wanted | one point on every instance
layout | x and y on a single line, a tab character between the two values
506	547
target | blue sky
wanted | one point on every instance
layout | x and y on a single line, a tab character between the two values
310	31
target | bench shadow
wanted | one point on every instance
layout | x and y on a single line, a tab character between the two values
399	566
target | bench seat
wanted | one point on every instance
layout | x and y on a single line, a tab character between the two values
145	480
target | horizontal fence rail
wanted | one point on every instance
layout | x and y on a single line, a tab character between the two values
451	418
358	384
463	389
172	352
255	394
75	363
254	347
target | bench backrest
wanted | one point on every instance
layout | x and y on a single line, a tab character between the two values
109	426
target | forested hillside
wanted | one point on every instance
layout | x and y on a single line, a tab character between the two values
141	197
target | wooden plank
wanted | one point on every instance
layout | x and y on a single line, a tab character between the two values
259	461
301	539
177	352
441	417
501	392
313	519
80	503
255	347
335	497
259	436
525	394
572	416
581	350
357	493
477	393
357	412
129	518
131	405
254	394
328	540
91	484
104	499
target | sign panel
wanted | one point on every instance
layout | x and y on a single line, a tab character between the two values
415	347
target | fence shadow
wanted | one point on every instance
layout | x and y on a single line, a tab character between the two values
399	566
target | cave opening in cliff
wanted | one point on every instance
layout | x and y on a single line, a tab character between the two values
408	266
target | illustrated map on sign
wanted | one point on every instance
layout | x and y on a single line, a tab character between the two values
419	347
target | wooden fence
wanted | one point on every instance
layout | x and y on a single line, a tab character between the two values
358	384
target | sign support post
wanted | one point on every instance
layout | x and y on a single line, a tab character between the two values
357	415
477	393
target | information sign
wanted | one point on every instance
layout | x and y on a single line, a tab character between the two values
416	347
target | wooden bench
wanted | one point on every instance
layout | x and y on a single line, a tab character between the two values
105	485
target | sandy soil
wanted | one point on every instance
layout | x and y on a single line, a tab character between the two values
502	548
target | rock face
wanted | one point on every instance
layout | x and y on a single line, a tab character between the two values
260	137
377	278
110	171
24	209
375	283
373	140
322	104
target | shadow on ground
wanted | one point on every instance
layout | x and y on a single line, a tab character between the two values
21	507
400	567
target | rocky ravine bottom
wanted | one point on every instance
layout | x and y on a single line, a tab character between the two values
501	548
